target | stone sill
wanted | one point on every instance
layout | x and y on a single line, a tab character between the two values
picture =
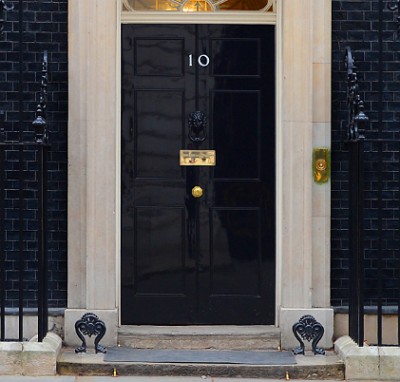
368	362
31	358
53	312
367	309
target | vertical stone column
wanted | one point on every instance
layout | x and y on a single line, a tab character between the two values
296	154
305	207
93	26
321	135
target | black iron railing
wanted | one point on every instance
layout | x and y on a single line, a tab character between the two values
355	142
372	248
23	170
374	189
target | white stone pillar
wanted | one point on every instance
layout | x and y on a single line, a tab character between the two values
321	136
305	211
93	26
296	161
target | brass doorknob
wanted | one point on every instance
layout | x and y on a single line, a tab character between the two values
197	192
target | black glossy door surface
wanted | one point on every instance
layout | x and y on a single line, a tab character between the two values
207	260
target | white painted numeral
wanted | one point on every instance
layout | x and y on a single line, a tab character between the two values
201	61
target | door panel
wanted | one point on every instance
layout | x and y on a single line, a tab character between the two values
207	260
157	144
157	265
235	57
160	259
235	252
236	133
159	56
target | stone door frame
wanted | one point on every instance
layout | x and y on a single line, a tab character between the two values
303	122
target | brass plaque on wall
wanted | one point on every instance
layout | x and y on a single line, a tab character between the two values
321	165
197	157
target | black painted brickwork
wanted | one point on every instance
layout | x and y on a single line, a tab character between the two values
45	25
355	24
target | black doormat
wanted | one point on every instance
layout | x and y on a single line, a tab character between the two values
120	354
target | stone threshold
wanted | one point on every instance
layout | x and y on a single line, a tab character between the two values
308	367
200	330
368	362
30	358
211	337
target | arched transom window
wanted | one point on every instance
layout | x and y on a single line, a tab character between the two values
200	5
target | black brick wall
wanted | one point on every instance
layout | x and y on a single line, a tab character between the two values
356	24
45	25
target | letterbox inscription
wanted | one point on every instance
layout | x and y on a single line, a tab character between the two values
197	158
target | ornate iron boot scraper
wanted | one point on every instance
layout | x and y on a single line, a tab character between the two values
90	325
309	329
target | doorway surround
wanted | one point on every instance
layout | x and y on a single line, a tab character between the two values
303	57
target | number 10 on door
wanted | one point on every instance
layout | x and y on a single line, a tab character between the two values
203	60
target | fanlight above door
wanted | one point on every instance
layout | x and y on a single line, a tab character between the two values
200	5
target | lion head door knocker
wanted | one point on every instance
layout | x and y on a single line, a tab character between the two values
197	126
90	325
309	329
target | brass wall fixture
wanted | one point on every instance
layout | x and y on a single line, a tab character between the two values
197	192
321	165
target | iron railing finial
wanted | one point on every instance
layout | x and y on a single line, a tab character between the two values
3	8
40	123
357	117
393	7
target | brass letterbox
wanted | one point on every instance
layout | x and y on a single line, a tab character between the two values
197	157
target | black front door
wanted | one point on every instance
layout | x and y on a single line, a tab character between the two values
208	259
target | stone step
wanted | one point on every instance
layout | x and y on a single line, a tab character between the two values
307	367
260	337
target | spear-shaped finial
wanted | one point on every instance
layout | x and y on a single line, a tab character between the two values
40	123
3	8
